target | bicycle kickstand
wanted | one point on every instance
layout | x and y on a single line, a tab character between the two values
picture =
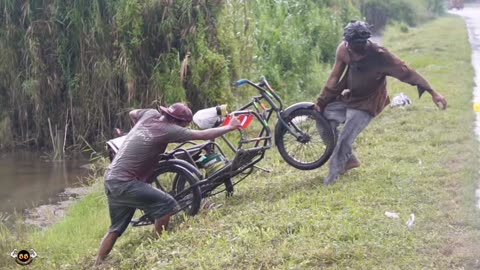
263	169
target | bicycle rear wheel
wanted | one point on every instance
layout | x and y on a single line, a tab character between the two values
315	144
179	182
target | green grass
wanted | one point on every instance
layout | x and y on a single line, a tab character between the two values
414	160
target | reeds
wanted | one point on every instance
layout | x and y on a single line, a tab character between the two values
85	61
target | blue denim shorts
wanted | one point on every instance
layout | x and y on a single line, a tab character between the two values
124	197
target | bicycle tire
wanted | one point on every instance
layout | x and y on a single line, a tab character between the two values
174	179
319	143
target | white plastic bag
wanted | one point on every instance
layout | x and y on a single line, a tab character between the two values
411	221
210	117
392	215
400	100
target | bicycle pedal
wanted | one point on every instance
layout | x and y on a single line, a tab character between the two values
142	221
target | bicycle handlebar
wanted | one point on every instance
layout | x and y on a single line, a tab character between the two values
265	90
242	81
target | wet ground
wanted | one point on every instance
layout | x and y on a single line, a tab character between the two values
48	214
471	14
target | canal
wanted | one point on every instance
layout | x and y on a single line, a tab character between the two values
28	180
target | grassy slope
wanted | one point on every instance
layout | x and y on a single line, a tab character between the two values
417	160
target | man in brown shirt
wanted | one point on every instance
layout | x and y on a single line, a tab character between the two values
361	94
127	179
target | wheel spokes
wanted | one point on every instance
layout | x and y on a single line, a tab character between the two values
304	151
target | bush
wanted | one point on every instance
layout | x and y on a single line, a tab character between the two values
289	41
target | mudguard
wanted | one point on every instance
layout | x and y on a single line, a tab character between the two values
288	111
293	107
178	162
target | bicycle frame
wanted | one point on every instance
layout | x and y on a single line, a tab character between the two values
245	158
269	95
243	162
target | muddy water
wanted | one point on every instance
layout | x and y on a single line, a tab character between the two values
27	180
471	14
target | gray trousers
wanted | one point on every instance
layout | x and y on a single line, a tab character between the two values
355	122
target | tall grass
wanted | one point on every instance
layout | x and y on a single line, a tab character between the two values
6	137
81	63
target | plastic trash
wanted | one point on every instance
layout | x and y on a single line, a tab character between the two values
400	100
411	221
210	117
392	215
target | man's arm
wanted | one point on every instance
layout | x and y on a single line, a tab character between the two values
135	115
339	66
398	69
213	133
330	91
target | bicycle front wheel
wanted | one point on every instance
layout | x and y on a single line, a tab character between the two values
179	182
314	144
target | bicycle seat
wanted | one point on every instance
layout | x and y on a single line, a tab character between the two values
142	221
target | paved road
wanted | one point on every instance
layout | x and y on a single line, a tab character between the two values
472	19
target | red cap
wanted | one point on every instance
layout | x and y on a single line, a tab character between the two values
178	111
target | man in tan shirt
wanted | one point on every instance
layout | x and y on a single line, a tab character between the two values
361	94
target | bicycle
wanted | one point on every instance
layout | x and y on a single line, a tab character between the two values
304	139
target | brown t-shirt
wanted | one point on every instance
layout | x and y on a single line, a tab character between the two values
366	79
140	151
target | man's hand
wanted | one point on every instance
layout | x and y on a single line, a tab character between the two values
347	93
212	133
234	123
439	100
317	108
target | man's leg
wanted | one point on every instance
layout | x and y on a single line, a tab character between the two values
356	121
120	215
335	113
157	204
106	246
124	198
161	224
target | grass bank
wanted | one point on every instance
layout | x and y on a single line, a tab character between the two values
416	160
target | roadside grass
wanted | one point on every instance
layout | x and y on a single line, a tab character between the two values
415	160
